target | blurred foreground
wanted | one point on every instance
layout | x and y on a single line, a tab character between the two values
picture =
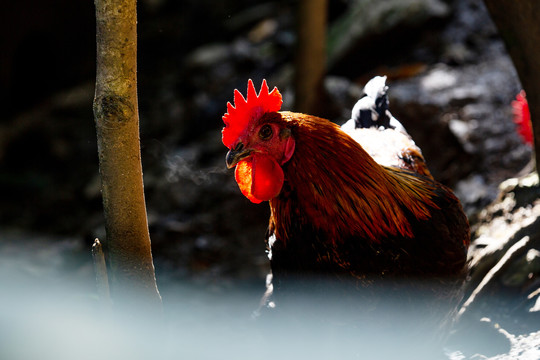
56	314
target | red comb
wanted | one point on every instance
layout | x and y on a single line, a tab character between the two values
244	111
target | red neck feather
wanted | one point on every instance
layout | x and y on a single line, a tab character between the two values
341	190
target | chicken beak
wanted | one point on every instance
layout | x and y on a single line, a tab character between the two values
236	154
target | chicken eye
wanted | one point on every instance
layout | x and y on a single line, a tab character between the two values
266	132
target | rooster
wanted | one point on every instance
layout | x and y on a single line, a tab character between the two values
355	202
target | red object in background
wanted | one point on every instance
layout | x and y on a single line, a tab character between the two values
522	118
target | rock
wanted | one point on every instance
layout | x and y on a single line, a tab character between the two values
367	20
523	269
503	291
208	55
471	190
505	256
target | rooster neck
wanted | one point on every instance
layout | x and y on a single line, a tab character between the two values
333	186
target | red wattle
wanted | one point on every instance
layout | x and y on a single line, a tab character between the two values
259	178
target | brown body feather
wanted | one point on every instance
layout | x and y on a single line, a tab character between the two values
341	212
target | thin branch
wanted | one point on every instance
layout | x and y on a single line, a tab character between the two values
100	268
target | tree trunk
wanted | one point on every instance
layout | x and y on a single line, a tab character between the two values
517	22
131	270
311	54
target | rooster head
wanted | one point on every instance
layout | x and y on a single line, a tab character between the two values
259	142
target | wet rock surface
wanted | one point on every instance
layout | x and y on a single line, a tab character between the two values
502	293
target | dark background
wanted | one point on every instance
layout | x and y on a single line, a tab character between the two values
451	84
